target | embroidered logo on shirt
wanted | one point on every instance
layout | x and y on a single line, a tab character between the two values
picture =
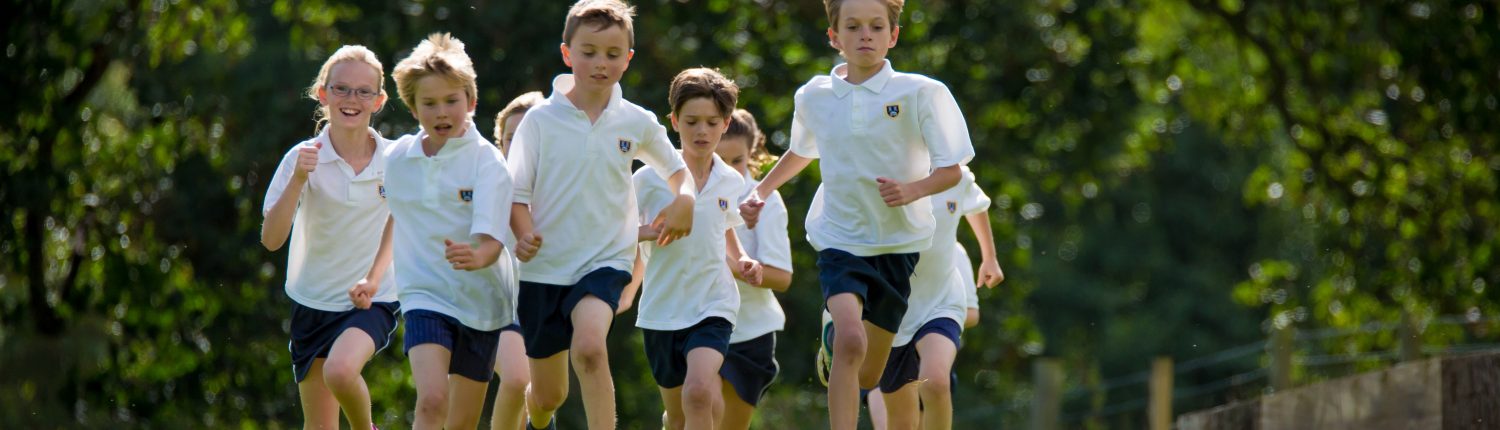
893	110
467	195
381	187
952	206
624	145
723	204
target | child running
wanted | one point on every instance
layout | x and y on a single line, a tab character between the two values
887	141
575	212
750	362
327	194
509	410
689	298
450	195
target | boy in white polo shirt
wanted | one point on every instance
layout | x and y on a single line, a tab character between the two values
887	141
327	195
689	297
575	215
937	306
450	193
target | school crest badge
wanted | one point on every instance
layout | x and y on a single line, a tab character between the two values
952	206
381	188
723	204
467	195
625	145
893	110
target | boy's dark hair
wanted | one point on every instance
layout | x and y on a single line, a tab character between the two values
706	83
601	15
893	7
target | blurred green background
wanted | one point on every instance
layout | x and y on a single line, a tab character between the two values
1171	178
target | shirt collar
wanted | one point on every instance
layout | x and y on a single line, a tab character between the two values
563	83
875	84
329	155
471	134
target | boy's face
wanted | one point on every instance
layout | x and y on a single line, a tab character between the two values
735	151
508	132
351	79
442	107
700	125
598	57
864	32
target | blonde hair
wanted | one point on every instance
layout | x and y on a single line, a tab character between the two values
601	14
355	53
518	106
742	124
892	7
440	54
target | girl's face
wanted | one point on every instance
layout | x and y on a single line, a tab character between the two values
735	150
700	125
509	131
352	95
864	33
442	107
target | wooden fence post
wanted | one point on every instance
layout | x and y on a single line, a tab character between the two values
1281	358
1047	378
1160	411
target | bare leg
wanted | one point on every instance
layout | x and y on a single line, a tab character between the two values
320	409
341	373
591	320
849	346
549	388
429	370
515	375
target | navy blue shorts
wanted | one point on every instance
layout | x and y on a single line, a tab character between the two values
545	311
314	331
667	351
883	282
905	364
750	367
473	351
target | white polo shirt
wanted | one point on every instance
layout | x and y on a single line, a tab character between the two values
768	243
894	125
937	287
966	276
575	175
336	231
462	191
689	280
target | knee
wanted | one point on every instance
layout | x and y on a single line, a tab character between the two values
697	396
547	399
850	347
514	385
935	389
589	357
433	404
339	373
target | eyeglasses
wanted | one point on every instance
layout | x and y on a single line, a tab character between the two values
362	93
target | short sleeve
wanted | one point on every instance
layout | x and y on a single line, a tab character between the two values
657	151
943	128
648	194
280	179
804	143
972	200
522	162
773	246
493	191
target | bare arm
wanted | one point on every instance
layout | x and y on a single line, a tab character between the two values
527	241
899	194
990	273
786	168
278	224
637	275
